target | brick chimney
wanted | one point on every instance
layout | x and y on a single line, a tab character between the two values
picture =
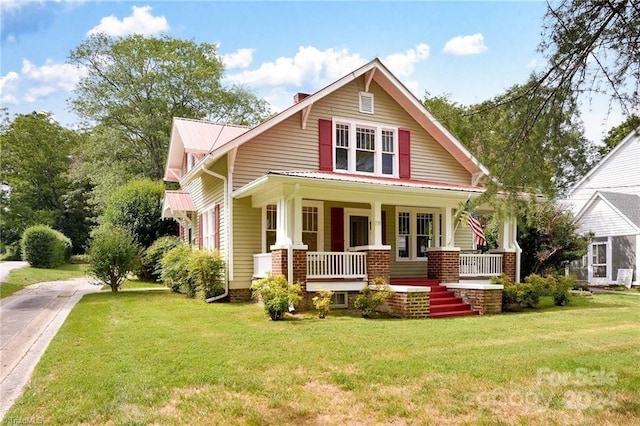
300	97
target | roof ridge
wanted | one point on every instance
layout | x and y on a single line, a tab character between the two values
218	123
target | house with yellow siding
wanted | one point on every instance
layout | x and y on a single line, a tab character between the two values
354	182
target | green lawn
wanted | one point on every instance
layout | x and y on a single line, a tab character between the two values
157	358
22	277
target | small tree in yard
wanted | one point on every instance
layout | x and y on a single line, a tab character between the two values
322	302
277	295
112	256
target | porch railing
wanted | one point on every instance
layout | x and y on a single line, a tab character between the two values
261	265
349	265
480	265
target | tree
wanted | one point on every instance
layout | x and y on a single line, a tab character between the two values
112	256
592	48
36	189
551	156
618	133
547	236
136	85
136	207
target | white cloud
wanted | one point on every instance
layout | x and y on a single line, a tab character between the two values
63	76
403	64
141	21
7	80
241	58
465	45
309	64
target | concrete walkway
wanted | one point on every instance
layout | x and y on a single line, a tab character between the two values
28	321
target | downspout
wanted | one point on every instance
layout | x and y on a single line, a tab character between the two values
226	251
518	255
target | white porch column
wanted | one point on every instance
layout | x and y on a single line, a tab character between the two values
282	221
296	216
448	228
375	233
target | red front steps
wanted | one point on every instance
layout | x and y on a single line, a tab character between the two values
442	302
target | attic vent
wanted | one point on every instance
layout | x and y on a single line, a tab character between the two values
366	102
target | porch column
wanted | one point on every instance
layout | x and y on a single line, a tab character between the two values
376	218
443	264
508	248
378	264
282	221
296	205
448	228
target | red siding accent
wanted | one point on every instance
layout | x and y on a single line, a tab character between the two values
404	151
325	148
337	229
200	245
384	227
216	227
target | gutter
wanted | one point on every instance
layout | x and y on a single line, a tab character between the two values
226	252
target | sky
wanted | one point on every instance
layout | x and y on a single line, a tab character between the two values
470	51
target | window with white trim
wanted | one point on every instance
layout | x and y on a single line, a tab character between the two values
599	260
271	214
208	229
312	226
365	148
416	232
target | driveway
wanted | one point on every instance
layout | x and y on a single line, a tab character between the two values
5	267
28	321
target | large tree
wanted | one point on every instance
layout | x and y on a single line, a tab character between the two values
134	86
618	133
592	48
548	158
36	189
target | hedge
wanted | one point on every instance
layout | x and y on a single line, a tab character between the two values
44	247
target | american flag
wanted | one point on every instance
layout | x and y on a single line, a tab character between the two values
472	220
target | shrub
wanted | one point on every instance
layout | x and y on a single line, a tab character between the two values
113	254
137	207
79	259
153	255
560	291
174	270
44	247
277	294
206	270
372	296
528	294
322	302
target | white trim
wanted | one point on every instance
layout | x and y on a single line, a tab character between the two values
347	213
583	211
361	97
353	124
305	203
336	286
608	265
470	286
413	232
634	133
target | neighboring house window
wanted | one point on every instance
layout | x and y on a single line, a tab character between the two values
416	233
367	148
599	260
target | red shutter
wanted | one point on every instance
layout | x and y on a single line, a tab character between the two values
216	227
325	148
404	151
181	228
200	245
384	227
337	229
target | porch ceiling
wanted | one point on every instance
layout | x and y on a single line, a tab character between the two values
349	188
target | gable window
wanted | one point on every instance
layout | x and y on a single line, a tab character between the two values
365	148
416	232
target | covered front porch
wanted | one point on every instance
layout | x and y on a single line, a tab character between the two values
337	234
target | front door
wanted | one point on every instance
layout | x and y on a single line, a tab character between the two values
357	225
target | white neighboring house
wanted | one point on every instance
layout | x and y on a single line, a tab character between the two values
606	201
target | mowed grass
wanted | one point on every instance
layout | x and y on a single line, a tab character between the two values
158	358
23	277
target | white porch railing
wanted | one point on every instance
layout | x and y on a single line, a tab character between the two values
261	265
480	265
350	265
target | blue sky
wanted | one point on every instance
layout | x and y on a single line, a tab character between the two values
469	50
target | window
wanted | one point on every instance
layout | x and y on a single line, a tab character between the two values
312	227
416	232
340	299
210	228
367	148
270	232
599	260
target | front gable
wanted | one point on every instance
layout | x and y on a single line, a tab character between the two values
310	145
602	218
